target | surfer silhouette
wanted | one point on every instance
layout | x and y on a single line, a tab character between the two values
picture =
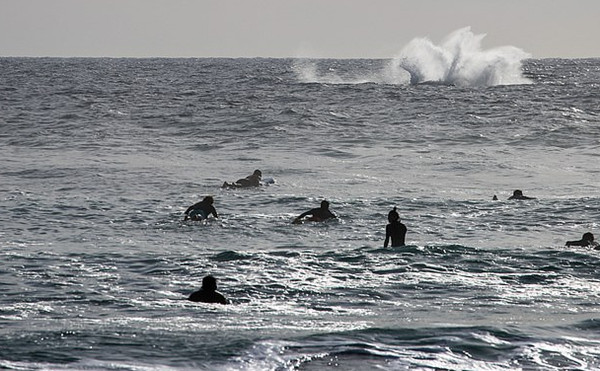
395	231
518	195
208	292
252	180
317	214
587	240
201	210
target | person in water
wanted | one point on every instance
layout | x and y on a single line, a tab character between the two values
317	214
208	292
201	210
252	180
587	240
395	231
518	195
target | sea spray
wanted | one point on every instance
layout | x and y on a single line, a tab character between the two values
307	71
458	60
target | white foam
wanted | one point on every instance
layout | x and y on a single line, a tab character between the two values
458	60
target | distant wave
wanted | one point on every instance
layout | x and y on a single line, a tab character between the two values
458	60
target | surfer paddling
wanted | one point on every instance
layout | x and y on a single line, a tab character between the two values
252	180
201	210
518	195
317	214
587	240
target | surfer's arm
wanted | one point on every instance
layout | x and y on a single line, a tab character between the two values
188	211
387	236
309	212
298	219
576	243
191	208
222	299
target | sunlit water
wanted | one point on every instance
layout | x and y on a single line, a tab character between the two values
100	157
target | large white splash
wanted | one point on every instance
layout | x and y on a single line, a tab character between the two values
458	60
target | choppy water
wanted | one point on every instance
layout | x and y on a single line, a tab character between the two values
100	157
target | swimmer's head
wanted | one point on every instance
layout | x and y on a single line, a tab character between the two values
257	173
209	283
517	193
588	236
324	204
209	200
393	215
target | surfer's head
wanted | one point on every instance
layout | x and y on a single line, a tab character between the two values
588	236
324	204
393	215
209	200
209	283
257	173
517	193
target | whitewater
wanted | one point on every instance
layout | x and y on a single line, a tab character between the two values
102	156
459	59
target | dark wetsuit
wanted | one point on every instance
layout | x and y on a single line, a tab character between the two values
208	296
201	210
582	243
252	180
249	181
518	195
397	232
521	198
587	240
318	214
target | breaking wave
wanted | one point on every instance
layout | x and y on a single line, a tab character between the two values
458	60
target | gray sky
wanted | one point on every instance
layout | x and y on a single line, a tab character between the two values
290	28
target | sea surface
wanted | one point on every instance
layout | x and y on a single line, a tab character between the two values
101	157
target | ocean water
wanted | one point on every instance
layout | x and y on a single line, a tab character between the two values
100	157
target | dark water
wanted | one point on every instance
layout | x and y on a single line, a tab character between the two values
100	157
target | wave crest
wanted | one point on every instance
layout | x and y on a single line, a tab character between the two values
458	60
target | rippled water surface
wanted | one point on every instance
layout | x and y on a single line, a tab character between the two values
101	157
